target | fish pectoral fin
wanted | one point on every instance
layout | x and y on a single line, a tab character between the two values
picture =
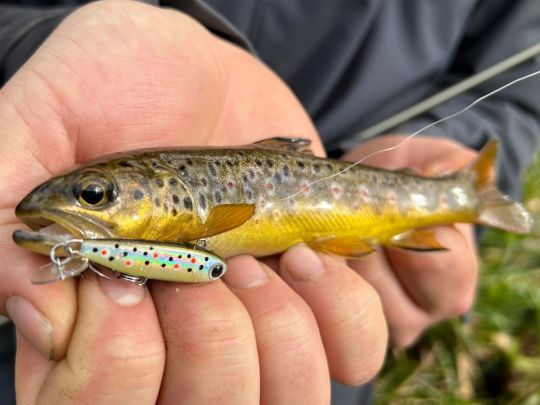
301	145
224	217
349	246
422	240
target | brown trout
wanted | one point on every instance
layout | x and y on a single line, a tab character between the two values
263	198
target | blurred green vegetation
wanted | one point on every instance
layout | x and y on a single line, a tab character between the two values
494	356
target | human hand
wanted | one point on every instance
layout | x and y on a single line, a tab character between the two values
123	75
420	289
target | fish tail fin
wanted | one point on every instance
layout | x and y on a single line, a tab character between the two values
496	209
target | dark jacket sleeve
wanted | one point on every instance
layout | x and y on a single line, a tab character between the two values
496	30
22	30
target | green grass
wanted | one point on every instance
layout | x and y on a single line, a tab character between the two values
493	357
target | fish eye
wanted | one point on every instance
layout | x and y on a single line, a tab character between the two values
217	271
93	194
93	191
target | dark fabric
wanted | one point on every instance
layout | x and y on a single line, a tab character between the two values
7	360
353	63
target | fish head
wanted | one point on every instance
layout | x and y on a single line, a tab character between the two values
116	199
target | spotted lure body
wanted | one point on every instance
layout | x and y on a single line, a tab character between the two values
238	200
154	260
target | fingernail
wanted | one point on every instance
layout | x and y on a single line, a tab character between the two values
302	263
31	324
248	275
122	292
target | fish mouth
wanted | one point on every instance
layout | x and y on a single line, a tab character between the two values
49	229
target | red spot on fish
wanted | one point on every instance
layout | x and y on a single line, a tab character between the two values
230	185
103	252
204	183
364	193
193	260
269	186
337	191
128	263
155	255
305	187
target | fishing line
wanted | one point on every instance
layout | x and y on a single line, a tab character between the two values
408	138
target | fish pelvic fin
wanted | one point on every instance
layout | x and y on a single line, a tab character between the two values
348	246
496	209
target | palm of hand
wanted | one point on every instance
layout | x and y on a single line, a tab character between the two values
120	76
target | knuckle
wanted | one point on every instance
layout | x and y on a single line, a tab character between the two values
212	329
287	327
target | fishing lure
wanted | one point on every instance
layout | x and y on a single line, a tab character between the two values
132	260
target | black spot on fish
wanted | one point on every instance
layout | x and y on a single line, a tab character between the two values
182	168
251	174
300	164
159	182
277	176
249	194
188	204
157	202
175	199
202	201
270	163
212	169
124	163
258	162
286	171
217	197
244	178
229	163
137	194
189	162
317	168
203	182
329	166
174	212
172	181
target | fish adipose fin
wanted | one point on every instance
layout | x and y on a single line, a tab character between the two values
422	240
349	246
496	209
301	145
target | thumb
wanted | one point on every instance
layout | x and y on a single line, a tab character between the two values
116	353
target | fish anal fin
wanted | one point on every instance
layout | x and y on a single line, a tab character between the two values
301	145
221	218
422	240
348	246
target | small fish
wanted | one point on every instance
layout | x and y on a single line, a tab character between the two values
140	260
237	200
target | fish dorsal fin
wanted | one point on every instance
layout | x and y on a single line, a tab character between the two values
349	246
224	217
301	145
422	240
